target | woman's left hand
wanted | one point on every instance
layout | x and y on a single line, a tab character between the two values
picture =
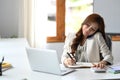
101	64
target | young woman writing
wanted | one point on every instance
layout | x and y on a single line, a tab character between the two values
88	44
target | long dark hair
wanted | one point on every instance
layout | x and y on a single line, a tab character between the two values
92	18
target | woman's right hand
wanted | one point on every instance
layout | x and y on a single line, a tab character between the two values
69	61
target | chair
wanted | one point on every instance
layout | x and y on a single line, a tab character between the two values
109	42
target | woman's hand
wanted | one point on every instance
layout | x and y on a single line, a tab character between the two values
69	61
101	64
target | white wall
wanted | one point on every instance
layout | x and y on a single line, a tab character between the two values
110	11
116	51
10	17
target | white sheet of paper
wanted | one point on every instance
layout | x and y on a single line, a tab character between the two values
81	65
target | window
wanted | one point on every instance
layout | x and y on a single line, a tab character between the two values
68	17
60	22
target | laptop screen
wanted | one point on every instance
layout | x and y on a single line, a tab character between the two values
43	60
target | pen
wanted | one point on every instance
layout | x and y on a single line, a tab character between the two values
2	59
1	66
70	56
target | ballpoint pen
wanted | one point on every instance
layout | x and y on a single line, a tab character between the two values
2	59
71	57
1	66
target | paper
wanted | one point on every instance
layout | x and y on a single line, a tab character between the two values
81	65
115	67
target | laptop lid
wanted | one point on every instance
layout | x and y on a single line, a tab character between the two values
45	60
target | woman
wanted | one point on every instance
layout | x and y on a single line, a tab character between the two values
88	44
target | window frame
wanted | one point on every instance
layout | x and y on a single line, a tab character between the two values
60	23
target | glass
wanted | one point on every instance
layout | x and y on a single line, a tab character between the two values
51	18
76	12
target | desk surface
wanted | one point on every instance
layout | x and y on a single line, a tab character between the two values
79	74
14	52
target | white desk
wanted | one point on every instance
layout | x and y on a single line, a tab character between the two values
80	74
14	52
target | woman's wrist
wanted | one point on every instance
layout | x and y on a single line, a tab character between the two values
103	62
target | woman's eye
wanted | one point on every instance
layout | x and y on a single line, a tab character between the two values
88	25
92	29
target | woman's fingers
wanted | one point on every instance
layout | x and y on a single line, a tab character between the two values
69	61
99	65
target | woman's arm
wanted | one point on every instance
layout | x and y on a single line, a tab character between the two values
104	50
67	47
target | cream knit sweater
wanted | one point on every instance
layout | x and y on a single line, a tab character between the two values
95	45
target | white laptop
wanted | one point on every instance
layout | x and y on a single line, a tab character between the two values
45	60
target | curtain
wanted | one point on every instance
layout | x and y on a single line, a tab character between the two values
35	22
28	21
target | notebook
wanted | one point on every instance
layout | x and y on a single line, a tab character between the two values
81	65
45	60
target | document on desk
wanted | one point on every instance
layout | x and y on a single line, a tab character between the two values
81	65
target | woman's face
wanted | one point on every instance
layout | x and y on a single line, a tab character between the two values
89	29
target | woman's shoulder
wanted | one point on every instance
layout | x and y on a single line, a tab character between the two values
98	34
